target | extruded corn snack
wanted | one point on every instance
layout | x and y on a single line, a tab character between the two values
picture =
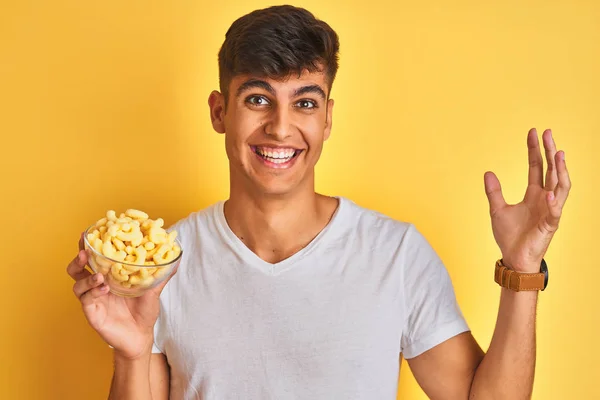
132	237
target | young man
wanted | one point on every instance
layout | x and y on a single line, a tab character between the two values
284	293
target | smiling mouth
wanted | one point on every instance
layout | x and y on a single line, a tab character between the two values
276	155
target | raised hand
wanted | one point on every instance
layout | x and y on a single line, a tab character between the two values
127	324
524	231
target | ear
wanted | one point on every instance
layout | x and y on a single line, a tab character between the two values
329	120
216	103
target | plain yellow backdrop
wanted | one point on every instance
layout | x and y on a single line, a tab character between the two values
103	105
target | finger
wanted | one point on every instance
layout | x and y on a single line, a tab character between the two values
493	190
158	289
76	268
89	298
564	181
550	147
536	164
555	211
81	243
83	285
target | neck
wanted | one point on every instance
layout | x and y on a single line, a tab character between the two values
275	228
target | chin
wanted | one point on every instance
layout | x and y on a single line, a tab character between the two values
275	186
273	182
276	190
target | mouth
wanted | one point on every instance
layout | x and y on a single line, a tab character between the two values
277	157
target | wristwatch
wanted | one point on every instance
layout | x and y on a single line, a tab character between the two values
521	281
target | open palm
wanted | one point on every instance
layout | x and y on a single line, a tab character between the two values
523	231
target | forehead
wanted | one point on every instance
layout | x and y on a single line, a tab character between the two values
285	84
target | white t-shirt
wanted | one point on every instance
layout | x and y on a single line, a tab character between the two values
330	322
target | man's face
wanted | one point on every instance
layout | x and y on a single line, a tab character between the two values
274	131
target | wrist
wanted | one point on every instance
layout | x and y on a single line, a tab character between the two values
524	267
123	358
526	278
127	357
131	379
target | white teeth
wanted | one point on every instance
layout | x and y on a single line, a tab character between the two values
277	157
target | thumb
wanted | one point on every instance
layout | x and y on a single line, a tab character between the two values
158	289
493	190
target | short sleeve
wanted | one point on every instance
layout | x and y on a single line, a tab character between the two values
161	326
432	314
156	348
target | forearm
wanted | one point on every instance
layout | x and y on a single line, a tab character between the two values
131	379
507	370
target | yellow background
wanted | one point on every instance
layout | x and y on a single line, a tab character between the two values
104	105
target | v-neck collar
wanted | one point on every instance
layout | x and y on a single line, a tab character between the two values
269	268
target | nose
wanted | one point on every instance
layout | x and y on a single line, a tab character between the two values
279	125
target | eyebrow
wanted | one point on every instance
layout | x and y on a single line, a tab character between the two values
260	84
255	84
316	89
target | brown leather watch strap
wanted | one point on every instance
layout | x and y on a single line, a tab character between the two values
518	281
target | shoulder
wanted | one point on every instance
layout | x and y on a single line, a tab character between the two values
196	223
367	220
383	230
195	232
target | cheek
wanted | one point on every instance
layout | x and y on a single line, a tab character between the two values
245	124
314	131
239	130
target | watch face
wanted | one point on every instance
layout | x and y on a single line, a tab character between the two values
544	270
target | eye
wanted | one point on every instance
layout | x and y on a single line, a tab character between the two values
306	104
257	100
